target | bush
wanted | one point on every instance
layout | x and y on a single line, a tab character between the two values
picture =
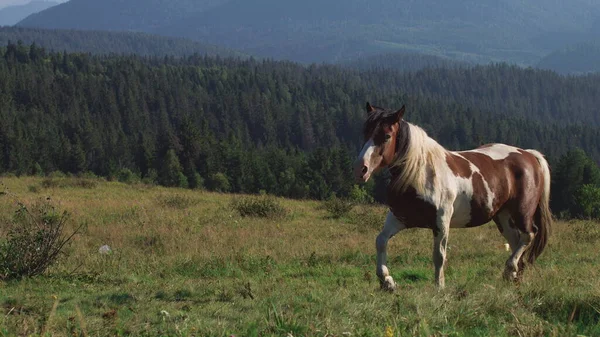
337	207
588	200
127	176
37	170
367	219
182	180
220	183
56	174
88	175
69	182
171	174
33	241
359	195
263	206
83	183
196	181
177	201
151	177
50	183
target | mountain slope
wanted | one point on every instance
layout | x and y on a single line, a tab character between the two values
403	62
336	30
12	14
102	42
577	59
137	15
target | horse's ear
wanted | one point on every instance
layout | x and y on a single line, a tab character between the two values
369	108
400	112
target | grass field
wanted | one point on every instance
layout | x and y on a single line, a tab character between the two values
185	263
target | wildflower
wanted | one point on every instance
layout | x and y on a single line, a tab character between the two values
389	332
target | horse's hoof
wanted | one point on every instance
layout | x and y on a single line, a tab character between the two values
388	284
512	276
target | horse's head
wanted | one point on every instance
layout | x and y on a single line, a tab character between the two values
380	133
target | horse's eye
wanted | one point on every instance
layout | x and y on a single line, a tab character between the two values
387	137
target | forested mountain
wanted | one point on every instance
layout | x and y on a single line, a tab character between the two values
403	62
104	42
577	59
242	125
338	30
540	95
12	14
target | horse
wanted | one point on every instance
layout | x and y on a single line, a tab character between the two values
438	189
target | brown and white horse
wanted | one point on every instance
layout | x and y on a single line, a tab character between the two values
435	188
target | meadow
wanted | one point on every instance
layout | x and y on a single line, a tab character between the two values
186	263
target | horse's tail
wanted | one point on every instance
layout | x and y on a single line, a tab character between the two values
543	216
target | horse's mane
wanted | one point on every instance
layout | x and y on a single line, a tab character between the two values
422	153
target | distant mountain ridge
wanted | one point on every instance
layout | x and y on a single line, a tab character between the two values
580	58
341	30
104	42
10	15
403	62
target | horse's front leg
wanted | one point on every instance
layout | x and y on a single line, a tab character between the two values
440	241
390	228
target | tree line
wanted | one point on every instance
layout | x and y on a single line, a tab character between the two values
229	124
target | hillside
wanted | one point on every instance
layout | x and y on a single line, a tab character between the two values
186	263
577	59
336	30
104	42
246	125
118	15
403	62
10	15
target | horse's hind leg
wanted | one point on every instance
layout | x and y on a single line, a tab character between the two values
390	228
507	227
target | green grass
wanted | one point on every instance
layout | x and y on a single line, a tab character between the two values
204	270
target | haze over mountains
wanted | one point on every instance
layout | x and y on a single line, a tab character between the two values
516	31
15	12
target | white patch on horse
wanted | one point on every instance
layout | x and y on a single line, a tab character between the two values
462	204
490	195
391	227
367	151
496	151
457	192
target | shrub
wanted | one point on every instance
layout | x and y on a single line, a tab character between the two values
34	239
83	183
171	174
127	176
588	200
182	180
220	183
367	219
50	183
263	206
88	175
337	207
37	170
196	181
151	177
359	195
177	201
56	174
69	182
